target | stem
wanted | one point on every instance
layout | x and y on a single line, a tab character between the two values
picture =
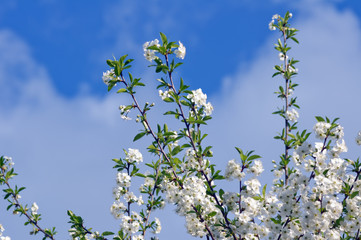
17	205
200	160
161	149
240	197
128	188
357	234
322	149
286	109
357	175
149	208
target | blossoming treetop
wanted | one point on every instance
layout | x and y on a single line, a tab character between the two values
315	193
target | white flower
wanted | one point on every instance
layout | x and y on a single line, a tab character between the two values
208	109
292	70
290	15
340	147
125	117
140	201
117	209
292	115
148	53
253	186
271	25
321	129
198	97
338	132
123	180
181	51
133	155
358	138
108	75
282	56
256	168
304	149
275	17
34	208
124	112
159	227
129	225
9	160
234	170
130	197
137	237
164	94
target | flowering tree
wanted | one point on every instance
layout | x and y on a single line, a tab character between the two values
315	193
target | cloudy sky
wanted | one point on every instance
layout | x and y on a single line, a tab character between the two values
62	128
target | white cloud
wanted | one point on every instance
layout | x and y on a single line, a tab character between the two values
62	147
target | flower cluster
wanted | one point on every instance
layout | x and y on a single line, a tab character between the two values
123	180
315	194
193	193
292	115
133	224
34	209
2	229
180	52
8	163
13	198
134	156
164	94
234	171
109	76
200	101
151	48
282	56
149	54
358	138
313	197
271	25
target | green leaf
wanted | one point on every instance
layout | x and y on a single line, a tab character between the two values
107	233
110	63
170	113
320	119
254	157
117	70
212	214
239	150
185	103
221	192
264	190
354	194
122	90
164	38
139	84
139	136
111	85
276	73
167	99
218	177
128	61
177	65
122	58
295	40
140	175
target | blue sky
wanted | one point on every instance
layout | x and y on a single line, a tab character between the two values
62	128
